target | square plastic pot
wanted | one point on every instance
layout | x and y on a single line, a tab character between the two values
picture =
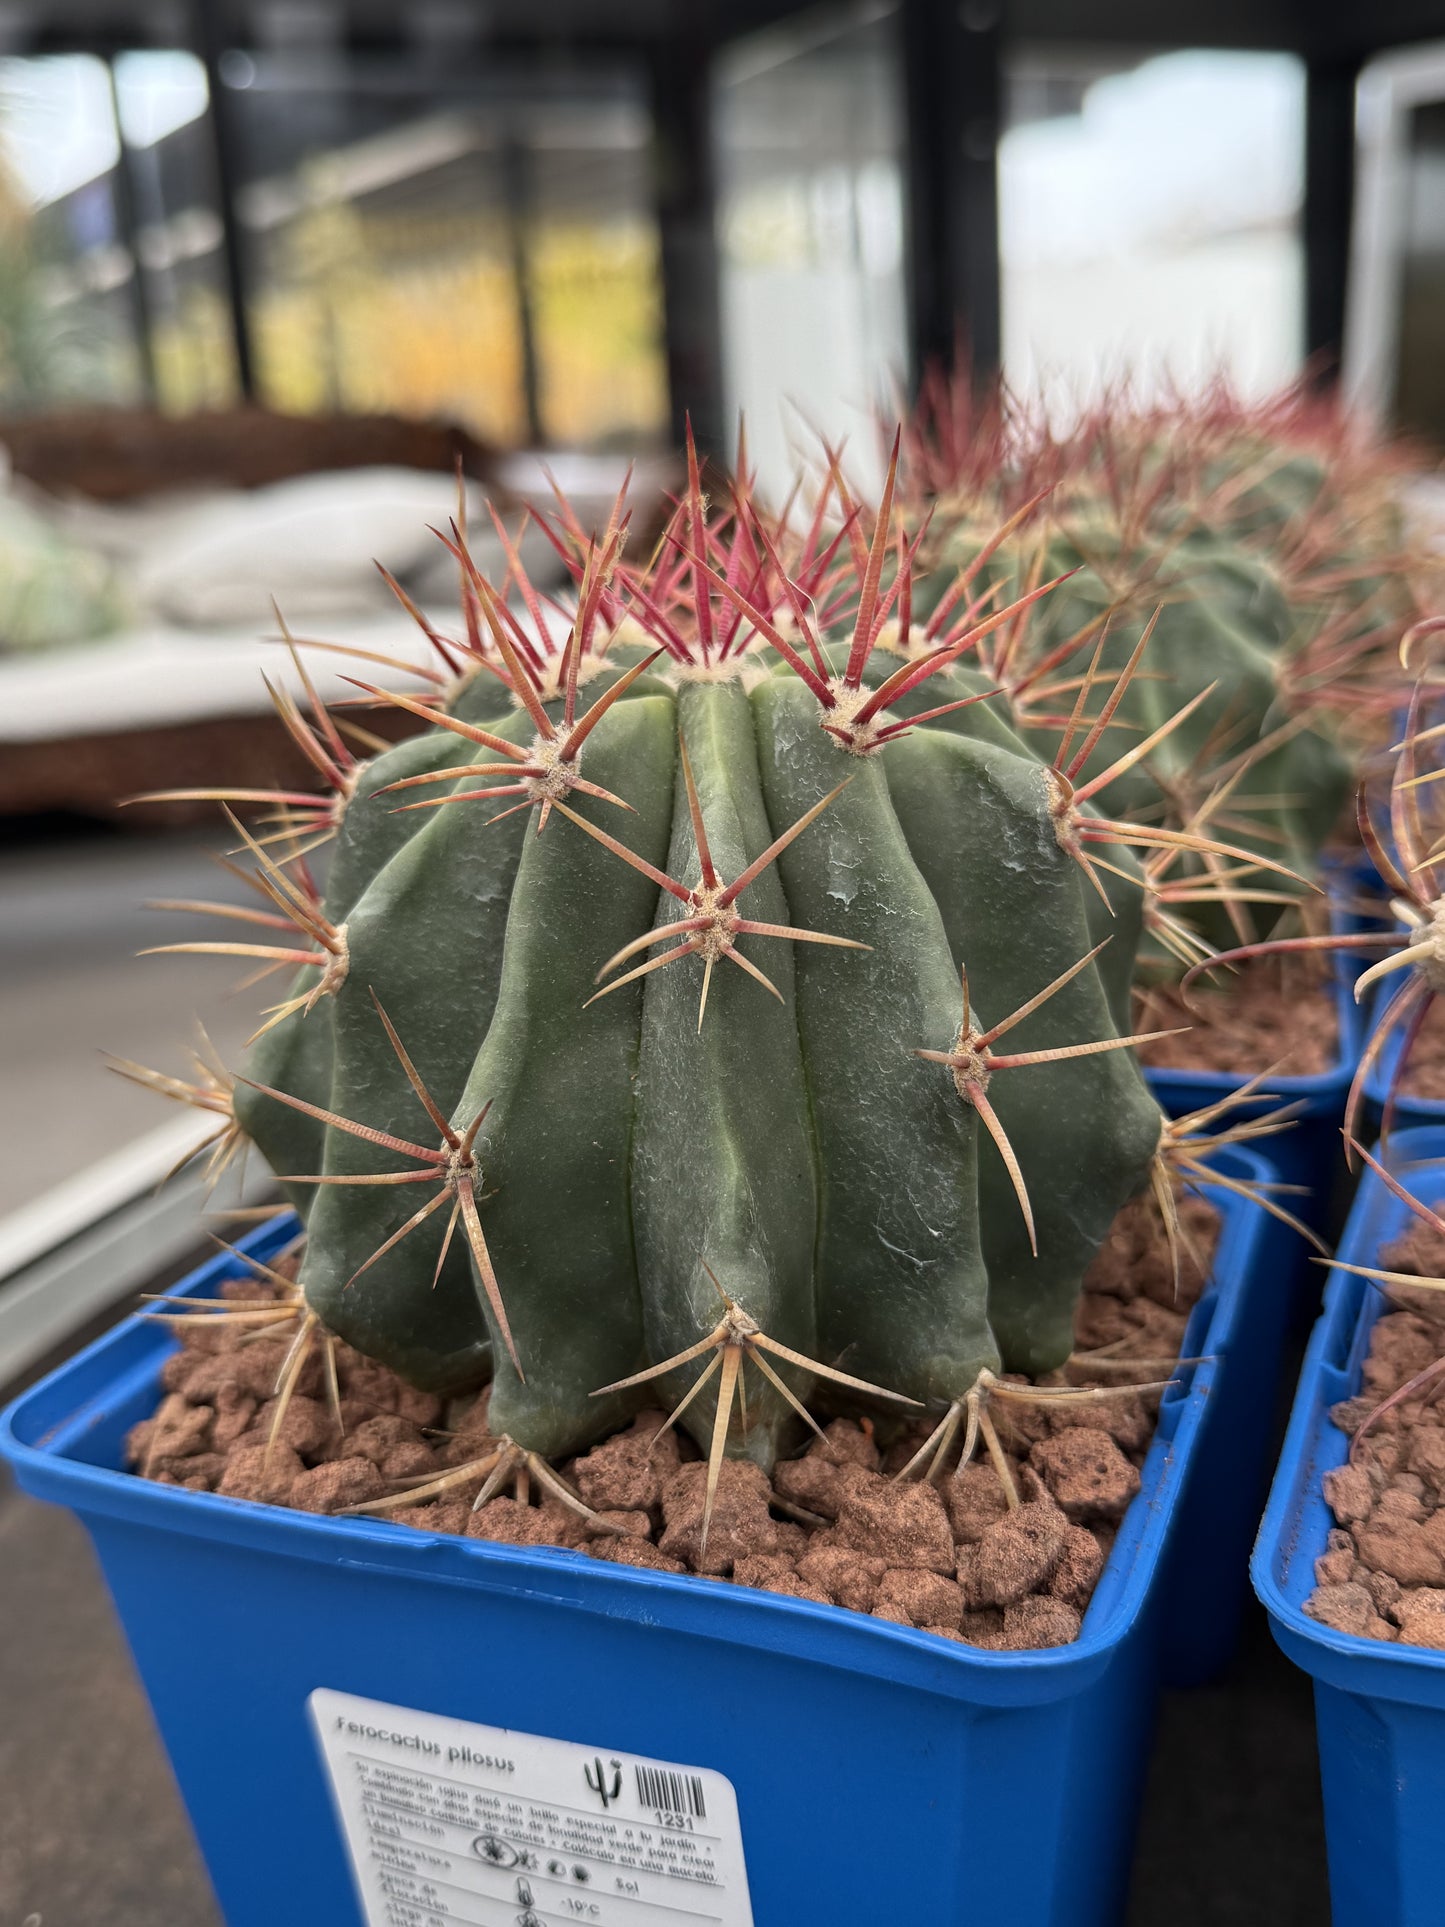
1379	1708
881	1774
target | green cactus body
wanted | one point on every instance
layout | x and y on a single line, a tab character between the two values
424	941
1115	910
554	1150
293	1056
614	1157
978	824
902	1294
723	1162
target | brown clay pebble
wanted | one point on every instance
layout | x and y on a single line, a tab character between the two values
1399	1503
1349	1494
175	1432
975	1500
1426	1453
1424	1073
469	1438
252	1474
906	1525
1336	1565
1014	1557
1032	1623
199	1379
793	1539
770	1572
422	1408
849	1444
256	1368
849	1577
507	1523
1420	1615
305	1425
335	1485
1347	1609
627	1472
816	1482
1408	1550
918	1598
409	1462
200	1470
818	1479
1075	1576
1134	1260
445	1515
1384	1590
612	1524
982	1629
1086	1473
741	1522
635	1552
375	1437
234	1413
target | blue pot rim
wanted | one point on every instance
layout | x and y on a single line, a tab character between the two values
1321	1093
1296	1519
43	1432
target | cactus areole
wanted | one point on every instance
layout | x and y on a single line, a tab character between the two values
718	999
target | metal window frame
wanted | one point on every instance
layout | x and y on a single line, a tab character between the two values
84	1247
1389	88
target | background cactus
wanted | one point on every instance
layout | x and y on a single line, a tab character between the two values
1261	549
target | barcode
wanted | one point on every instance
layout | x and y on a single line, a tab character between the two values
670	1792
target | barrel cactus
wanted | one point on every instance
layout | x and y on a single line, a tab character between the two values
1262	553
708	1001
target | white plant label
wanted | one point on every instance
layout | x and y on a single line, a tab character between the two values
454	1824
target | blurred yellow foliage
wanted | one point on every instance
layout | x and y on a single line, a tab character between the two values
420	318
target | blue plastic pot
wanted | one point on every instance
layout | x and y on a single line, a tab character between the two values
1206	1581
1379	1708
881	1774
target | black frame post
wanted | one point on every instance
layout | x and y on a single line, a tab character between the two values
517	198
123	189
208	31
684	179
952	102
1328	203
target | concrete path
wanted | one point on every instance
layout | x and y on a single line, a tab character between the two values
92	1833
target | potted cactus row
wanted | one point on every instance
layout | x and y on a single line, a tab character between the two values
707	1102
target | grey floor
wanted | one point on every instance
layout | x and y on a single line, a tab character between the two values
91	1829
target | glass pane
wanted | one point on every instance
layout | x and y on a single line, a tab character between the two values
810	210
67	305
411	246
1420	382
594	275
163	106
1149	221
